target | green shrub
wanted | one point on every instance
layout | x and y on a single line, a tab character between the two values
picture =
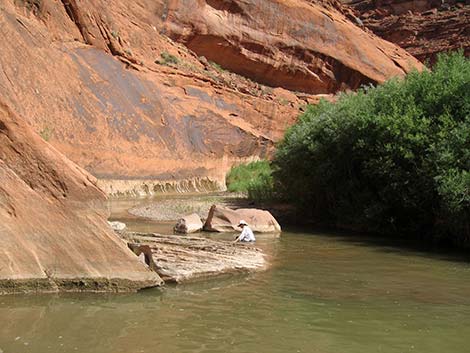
46	133
392	159
115	34
254	178
167	59
216	66
262	188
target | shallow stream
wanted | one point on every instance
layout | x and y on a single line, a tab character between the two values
325	293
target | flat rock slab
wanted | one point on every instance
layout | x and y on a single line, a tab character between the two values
183	258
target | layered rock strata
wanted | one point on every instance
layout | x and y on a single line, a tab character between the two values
299	45
424	28
107	86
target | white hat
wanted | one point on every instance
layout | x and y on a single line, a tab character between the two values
242	222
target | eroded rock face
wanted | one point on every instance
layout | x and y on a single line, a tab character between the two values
53	230
127	122
299	45
107	87
224	219
424	28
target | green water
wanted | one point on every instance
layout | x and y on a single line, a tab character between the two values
323	293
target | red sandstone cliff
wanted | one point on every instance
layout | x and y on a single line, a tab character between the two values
424	28
298	45
113	87
53	229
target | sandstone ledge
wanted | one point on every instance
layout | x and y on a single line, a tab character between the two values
150	187
53	230
184	258
89	285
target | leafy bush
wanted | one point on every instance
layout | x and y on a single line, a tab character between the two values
216	66
46	133
254	178
261	188
392	158
167	59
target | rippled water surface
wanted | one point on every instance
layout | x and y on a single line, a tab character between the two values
324	293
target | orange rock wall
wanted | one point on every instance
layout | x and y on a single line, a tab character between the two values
91	79
298	45
53	230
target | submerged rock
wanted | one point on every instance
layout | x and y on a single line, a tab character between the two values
188	224
224	219
178	259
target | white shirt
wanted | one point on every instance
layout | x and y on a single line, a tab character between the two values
246	235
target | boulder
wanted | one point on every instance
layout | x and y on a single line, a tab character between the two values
117	226
188	224
224	219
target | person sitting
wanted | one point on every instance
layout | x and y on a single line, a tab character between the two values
246	234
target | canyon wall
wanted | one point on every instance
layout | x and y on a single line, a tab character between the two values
298	45
153	95
423	27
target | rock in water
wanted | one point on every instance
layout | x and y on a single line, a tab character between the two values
188	224
53	230
224	219
179	259
117	226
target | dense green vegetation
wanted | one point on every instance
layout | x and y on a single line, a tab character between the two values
254	178
391	159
